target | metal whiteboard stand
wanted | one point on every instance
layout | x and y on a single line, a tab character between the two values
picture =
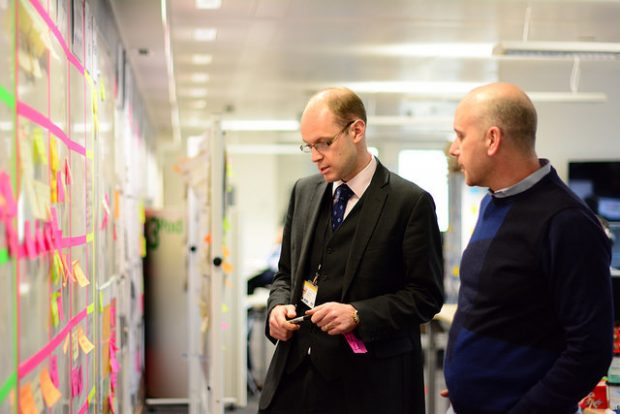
205	276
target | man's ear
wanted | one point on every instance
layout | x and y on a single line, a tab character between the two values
494	140
358	128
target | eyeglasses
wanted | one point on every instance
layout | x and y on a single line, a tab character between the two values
322	146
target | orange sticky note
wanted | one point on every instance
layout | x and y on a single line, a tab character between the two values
51	395
85	344
227	267
79	274
26	400
117	205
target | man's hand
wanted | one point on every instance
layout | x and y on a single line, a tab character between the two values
279	327
334	318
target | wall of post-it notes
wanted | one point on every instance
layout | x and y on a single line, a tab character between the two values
79	274
26	400
51	394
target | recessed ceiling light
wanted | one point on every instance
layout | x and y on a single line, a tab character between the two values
206	34
201	59
208	4
200	77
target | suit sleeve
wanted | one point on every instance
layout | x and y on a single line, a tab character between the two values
420	296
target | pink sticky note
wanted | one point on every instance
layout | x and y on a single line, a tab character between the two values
355	343
76	381
54	370
60	187
61	312
47	237
56	233
39	239
67	172
11	238
6	191
111	402
114	364
29	242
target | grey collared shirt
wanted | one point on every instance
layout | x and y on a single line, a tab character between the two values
526	183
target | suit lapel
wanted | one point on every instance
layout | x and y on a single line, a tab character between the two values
372	208
306	230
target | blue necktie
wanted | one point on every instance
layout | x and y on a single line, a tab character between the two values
343	193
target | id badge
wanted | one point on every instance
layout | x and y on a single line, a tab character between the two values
308	296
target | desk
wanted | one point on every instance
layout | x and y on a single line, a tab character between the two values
445	315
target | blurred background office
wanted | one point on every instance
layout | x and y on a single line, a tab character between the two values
151	145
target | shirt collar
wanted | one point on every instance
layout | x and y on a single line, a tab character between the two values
361	181
526	183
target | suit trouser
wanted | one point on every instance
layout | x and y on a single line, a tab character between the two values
306	391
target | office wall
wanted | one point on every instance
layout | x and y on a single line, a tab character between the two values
572	131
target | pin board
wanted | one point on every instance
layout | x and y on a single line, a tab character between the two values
71	213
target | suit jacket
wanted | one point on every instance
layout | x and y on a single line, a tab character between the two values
393	278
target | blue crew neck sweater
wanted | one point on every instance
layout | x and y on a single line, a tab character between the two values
533	329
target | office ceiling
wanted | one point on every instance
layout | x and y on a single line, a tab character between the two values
268	56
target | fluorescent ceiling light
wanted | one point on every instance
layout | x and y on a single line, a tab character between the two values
201	104
425	88
206	34
200	77
449	50
260	125
201	59
586	50
208	4
194	92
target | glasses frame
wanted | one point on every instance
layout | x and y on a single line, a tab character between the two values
322	146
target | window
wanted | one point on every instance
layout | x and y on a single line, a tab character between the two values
429	170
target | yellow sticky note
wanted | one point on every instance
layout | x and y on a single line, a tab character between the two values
54	162
79	274
85	344
225	251
225	308
26	400
40	155
51	395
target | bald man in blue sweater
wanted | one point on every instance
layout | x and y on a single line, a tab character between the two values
533	329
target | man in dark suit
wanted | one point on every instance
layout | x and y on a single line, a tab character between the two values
361	256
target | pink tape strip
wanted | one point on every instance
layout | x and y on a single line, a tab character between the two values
52	26
40	119
84	408
27	366
73	241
